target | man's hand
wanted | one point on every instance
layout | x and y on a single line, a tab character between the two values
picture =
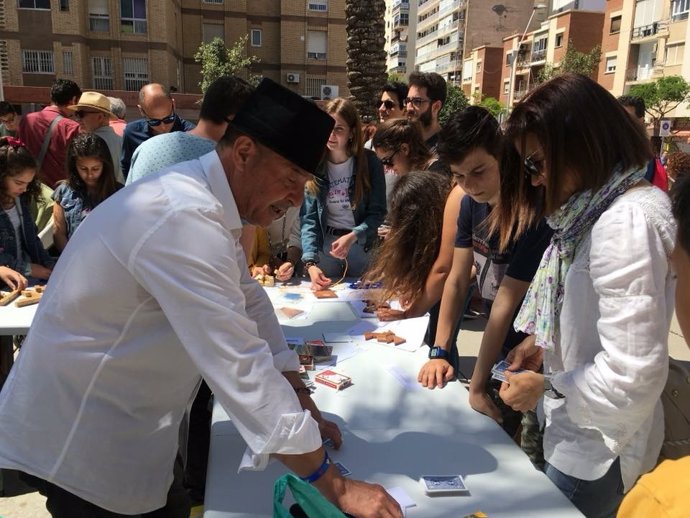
482	403
330	430
527	355
522	390
388	314
365	500
341	246
285	271
318	280
435	373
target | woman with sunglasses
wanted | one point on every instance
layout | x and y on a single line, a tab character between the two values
340	216
601	302
399	145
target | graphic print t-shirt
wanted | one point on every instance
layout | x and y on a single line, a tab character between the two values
338	206
520	261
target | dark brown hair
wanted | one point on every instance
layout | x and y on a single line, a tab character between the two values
405	258
583	131
395	132
14	160
89	145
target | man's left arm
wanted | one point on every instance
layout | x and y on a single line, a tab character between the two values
260	309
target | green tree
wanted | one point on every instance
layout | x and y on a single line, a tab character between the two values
662	96
217	60
394	77
493	105
456	100
574	61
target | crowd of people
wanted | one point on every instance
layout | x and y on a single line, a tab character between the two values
561	228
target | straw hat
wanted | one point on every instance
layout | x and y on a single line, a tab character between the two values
93	101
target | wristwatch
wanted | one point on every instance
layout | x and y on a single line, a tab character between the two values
307	265
549	390
437	352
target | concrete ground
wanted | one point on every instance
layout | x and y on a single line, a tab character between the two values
22	502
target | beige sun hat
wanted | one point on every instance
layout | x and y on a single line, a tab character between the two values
93	101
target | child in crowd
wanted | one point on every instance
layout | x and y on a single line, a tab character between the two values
664	491
20	248
601	302
472	143
341	215
90	180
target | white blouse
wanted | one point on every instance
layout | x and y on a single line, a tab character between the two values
611	361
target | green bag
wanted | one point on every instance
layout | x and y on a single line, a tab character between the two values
313	503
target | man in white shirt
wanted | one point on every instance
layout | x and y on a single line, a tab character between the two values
153	294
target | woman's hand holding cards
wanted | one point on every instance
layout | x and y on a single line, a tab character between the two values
522	390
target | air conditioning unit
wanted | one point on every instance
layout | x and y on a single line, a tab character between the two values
329	91
292	78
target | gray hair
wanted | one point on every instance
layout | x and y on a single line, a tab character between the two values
117	106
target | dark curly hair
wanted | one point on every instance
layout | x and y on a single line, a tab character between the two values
405	258
14	160
88	145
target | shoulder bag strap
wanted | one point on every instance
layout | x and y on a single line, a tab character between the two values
46	142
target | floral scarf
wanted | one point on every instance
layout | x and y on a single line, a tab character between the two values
541	309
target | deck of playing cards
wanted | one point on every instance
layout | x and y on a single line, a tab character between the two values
441	484
333	379
498	371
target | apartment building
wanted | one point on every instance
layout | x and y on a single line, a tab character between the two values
447	30
481	73
525	58
400	36
122	44
643	40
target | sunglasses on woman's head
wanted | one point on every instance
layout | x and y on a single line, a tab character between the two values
388	104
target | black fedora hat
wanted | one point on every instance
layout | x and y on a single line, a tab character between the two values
285	122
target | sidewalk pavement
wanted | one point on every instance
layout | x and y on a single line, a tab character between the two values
32	504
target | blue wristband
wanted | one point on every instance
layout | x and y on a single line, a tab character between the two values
320	470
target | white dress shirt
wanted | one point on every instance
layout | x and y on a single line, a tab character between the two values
611	361
151	292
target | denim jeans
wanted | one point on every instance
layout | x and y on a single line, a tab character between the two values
357	260
594	498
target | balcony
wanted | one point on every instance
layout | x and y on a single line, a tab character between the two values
400	22
448	66
449	8
519	94
539	55
400	4
427	38
645	31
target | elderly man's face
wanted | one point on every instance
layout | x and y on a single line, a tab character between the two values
276	185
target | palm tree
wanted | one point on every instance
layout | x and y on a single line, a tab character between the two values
366	62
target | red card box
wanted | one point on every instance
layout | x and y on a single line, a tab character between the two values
333	379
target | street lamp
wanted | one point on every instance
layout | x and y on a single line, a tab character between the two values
514	54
